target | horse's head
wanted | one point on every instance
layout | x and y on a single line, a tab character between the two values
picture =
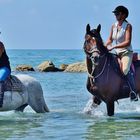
93	45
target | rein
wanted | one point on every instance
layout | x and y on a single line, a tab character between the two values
102	71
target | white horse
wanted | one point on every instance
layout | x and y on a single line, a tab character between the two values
31	95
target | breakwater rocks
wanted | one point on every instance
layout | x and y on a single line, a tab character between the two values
48	66
24	68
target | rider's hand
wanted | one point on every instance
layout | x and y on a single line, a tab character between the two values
111	48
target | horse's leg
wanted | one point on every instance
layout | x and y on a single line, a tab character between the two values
91	87
35	98
21	108
96	101
110	108
88	85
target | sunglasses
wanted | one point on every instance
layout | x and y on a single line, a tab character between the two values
116	14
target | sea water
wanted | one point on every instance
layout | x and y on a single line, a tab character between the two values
67	98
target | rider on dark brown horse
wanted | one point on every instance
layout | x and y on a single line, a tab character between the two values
121	35
5	70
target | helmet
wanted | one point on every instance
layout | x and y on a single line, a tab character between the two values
121	9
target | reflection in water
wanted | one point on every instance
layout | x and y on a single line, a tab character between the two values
19	125
125	127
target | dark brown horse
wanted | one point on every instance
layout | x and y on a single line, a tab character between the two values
110	85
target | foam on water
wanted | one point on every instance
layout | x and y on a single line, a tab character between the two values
94	109
124	106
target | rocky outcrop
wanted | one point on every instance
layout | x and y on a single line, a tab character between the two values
47	66
24	68
63	66
76	67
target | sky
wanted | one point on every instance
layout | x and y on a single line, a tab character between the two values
60	24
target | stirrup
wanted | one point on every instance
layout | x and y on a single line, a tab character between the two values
133	96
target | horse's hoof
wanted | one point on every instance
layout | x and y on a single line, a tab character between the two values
133	96
134	99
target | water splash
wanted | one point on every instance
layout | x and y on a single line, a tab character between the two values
89	107
124	107
93	109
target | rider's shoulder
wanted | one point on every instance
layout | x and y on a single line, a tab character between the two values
129	25
1	46
113	26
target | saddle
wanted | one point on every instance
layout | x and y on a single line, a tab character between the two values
12	83
116	63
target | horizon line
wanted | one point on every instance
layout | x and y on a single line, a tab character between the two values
39	49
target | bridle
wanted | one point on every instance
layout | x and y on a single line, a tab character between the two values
90	54
93	52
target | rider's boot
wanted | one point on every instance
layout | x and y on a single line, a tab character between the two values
131	82
1	92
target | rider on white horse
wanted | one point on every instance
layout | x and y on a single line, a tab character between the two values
5	70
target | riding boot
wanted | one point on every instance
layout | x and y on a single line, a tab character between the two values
1	92
131	82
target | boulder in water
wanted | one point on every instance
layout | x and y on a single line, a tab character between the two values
47	66
24	67
76	67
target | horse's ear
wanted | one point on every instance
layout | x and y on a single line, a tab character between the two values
87	28
99	28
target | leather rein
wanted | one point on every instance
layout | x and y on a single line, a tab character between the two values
90	57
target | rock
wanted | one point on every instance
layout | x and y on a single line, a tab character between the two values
63	66
24	68
47	66
76	67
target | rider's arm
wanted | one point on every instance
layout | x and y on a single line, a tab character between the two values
109	41
1	48
128	36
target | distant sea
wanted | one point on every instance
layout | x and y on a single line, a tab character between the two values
66	97
35	57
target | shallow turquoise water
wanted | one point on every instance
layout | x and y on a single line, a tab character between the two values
66	97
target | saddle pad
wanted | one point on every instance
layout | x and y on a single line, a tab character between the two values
13	84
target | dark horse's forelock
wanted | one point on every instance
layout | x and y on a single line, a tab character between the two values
94	33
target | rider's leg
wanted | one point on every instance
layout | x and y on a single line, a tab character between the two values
4	73
126	64
132	85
